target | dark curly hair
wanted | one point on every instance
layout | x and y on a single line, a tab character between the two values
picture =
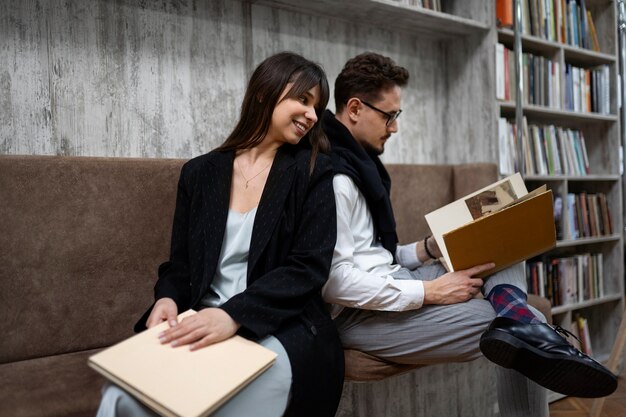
367	75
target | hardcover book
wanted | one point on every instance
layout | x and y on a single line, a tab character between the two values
501	223
177	382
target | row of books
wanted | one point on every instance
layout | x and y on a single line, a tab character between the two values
547	149
587	90
587	216
564	21
541	78
542	81
547	84
567	280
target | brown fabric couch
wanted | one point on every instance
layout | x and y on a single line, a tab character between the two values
80	242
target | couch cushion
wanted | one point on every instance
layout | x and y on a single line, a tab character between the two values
415	191
61	385
419	189
81	242
471	177
362	367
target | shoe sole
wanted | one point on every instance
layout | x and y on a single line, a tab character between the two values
566	375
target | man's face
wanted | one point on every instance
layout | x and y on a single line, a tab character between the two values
371	130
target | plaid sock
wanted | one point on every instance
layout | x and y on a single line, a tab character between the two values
509	301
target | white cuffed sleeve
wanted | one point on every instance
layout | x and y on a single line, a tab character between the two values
406	255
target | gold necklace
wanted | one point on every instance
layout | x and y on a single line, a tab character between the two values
253	177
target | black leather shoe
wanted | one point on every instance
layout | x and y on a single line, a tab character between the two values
543	355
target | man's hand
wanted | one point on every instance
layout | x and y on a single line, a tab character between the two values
455	287
164	310
208	326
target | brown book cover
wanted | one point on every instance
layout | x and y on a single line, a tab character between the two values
508	236
582	213
592	203
606	223
177	382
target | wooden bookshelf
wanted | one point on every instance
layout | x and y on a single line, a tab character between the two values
602	140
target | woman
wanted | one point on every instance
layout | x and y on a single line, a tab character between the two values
252	242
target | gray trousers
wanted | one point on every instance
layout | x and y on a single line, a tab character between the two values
266	396
441	334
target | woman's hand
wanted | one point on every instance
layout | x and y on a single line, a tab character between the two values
164	310
455	287
208	326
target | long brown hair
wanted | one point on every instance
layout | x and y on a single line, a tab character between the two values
263	92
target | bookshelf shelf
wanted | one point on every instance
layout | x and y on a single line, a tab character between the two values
383	13
581	178
572	53
587	240
586	304
547	114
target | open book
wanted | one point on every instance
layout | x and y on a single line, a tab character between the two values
501	223
176	382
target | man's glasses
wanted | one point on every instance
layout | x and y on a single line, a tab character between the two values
391	117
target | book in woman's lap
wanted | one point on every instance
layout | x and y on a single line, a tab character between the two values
178	382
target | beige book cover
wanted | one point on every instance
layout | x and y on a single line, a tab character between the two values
177	382
501	223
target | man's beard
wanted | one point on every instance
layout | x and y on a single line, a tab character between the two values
371	150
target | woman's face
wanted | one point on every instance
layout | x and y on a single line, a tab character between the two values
293	117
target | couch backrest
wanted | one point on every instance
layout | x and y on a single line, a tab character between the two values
80	242
81	239
420	189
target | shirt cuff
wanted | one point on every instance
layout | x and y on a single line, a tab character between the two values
413	291
406	255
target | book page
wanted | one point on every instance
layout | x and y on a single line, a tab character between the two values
491	200
539	190
485	201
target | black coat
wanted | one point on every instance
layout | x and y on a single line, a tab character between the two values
291	249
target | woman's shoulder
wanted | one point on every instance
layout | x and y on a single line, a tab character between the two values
196	169
213	157
302	155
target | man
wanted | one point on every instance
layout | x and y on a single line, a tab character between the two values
389	303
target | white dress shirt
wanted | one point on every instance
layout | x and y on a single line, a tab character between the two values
360	274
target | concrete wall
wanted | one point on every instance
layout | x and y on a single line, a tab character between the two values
165	78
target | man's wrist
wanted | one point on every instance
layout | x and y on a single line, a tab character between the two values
428	252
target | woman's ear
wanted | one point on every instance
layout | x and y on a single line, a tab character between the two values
353	107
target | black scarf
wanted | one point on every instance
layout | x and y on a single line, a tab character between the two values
369	175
